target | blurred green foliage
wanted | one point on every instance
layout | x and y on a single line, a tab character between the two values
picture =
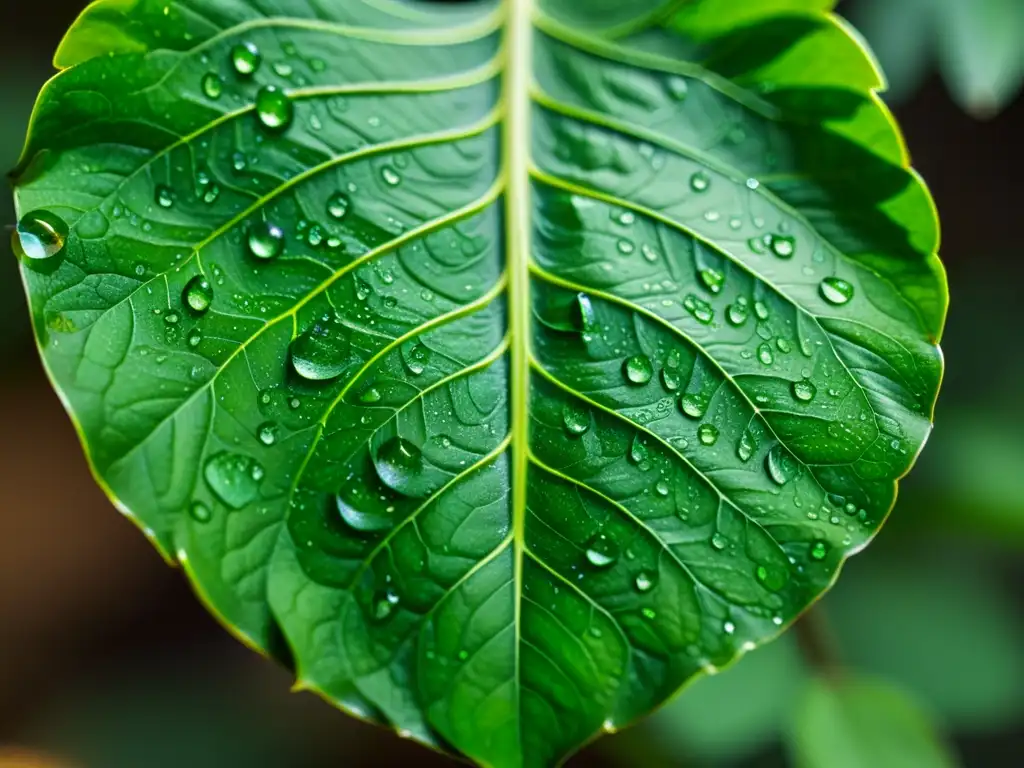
977	45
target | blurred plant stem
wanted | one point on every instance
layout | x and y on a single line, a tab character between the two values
817	644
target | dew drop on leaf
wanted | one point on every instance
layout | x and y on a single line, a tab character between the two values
719	541
267	433
274	108
198	294
783	246
670	379
338	205
804	390
200	512
586	317
416	357
266	240
780	465
246	59
707	434
194	338
39	239
390	176
693	405
384	604
644	582
213	86
164	196
713	280
836	291
575	418
677	87
321	353
819	550
233	478
638	369
700	182
362	520
602	552
737	314
399	466
662	488
765	354
637	451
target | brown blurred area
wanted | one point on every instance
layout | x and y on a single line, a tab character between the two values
94	626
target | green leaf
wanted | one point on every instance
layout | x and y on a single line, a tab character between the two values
860	723
512	367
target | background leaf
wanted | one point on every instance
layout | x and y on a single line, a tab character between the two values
860	723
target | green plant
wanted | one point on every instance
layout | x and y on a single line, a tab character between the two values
503	367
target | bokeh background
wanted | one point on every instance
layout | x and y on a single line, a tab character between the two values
107	660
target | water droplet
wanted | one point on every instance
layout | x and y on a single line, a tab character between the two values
364	521
638	451
586	317
761	310
266	240
384	604
390	176
213	86
194	338
719	541
164	196
729	627
644	581
804	390
602	552
638	369
274	108
246	59
399	465
693	405
819	550
765	354
780	464
338	205
670	379
370	395
200	512
677	87
321	353
745	447
713	280
753	184
662	488
649	613
700	182
702	312
198	294
233	478
707	434
836	291
38	240
416	357
771	578
737	314
626	247
267	433
783	246
576	418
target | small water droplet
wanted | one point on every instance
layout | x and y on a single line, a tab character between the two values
737	314
761	310
246	59
662	488
200	512
719	541
38	240
638	451
338	205
212	85
804	390
783	246
416	357
678	88
693	405
713	280
700	182
164	196
198	294
638	369
765	354
267	433
266	240
390	176
274	108
836	291
626	247
649	613
780	465
644	581
370	395
233	478
194	338
384	604
819	550
670	379
729	627
745	447
363	520
707	434
602	552
575	418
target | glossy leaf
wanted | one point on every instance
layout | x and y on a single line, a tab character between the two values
514	366
860	723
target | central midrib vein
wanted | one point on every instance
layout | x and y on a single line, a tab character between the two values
518	79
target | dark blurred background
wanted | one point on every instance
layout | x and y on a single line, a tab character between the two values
107	660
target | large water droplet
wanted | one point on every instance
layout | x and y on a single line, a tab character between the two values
416	357
737	314
836	291
361	520
39	239
707	434
338	205
602	552
780	465
246	59
804	390
783	246
819	550
765	354
693	405
198	294
400	467
322	353
575	418
274	108
213	86
719	541
233	478
638	369
700	182
266	240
